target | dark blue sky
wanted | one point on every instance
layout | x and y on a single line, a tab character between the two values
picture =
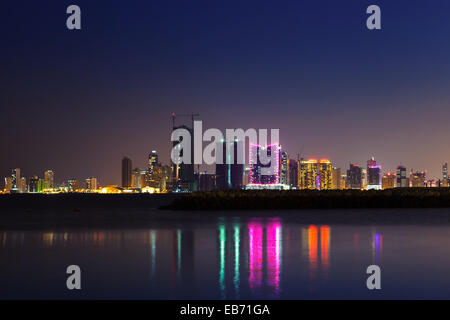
78	101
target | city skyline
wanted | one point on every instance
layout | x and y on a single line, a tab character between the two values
301	173
334	89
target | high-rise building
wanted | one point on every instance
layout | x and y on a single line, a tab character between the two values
152	160
284	168
166	177
343	181
388	181
40	185
143	178
325	174
136	178
153	163
444	172
262	170
230	172
373	175
48	178
354	177
315	174
91	183
34	184
293	173
126	172
183	173
417	179
8	184
336	178
73	185
152	178
15	180
246	176
23	185
308	175
363	178
402	180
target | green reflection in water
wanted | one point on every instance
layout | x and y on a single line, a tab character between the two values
236	258
222	238
179	253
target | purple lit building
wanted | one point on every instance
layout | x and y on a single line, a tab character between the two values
264	172
373	175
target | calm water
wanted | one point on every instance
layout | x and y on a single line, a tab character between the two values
228	257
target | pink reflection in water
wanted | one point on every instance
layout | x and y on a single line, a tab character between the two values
255	239
265	255
274	255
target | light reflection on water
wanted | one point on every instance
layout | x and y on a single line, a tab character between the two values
234	258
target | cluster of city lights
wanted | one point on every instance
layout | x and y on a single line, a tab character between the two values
280	173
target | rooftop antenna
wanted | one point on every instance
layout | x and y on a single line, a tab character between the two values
300	153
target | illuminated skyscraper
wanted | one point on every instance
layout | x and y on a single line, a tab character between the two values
417	179
373	175
143	182
126	172
293	173
401	180
91	183
34	184
284	168
152	177
354	177
343	181
15	180
336	178
8	184
166	177
246	176
183	173
23	185
40	185
308	174
136	178
48	178
444	172
152	161
325	174
230	172
388	181
73	185
315	174
262	170
363	178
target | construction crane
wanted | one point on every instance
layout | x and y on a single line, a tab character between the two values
191	115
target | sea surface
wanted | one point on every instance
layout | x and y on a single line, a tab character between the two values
243	255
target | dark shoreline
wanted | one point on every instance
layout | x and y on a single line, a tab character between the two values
37	212
313	199
79	201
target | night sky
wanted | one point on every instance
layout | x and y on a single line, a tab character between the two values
78	101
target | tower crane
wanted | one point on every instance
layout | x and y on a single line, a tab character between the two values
191	115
